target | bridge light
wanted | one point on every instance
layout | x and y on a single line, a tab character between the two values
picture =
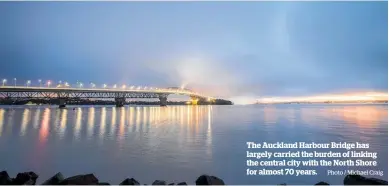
48	83
4	81
114	86
105	86
123	86
81	85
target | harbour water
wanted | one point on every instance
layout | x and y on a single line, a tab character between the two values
178	143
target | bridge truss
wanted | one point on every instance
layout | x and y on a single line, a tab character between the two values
80	95
65	94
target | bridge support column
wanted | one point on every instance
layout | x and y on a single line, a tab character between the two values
162	100
62	103
120	101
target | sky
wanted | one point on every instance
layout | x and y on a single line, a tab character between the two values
235	50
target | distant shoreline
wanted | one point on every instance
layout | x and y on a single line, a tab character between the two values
326	102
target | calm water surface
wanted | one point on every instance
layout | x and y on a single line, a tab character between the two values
176	143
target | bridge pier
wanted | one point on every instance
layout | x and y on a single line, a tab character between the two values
62	103
120	101
162	100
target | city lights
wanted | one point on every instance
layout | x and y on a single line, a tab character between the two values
353	97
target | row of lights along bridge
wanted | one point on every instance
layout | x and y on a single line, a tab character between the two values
65	84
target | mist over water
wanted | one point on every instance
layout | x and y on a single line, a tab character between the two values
177	143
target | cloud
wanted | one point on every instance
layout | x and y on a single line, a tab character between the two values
233	50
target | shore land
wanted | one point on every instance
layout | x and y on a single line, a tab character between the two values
30	178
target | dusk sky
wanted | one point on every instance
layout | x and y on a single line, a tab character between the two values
231	49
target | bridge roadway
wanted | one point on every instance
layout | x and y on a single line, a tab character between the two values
119	94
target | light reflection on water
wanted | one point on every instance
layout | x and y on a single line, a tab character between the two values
175	143
25	120
45	127
77	126
91	122
36	118
102	122
1	120
62	128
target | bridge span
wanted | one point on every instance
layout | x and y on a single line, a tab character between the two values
119	94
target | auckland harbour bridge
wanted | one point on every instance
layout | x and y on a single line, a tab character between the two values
63	91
